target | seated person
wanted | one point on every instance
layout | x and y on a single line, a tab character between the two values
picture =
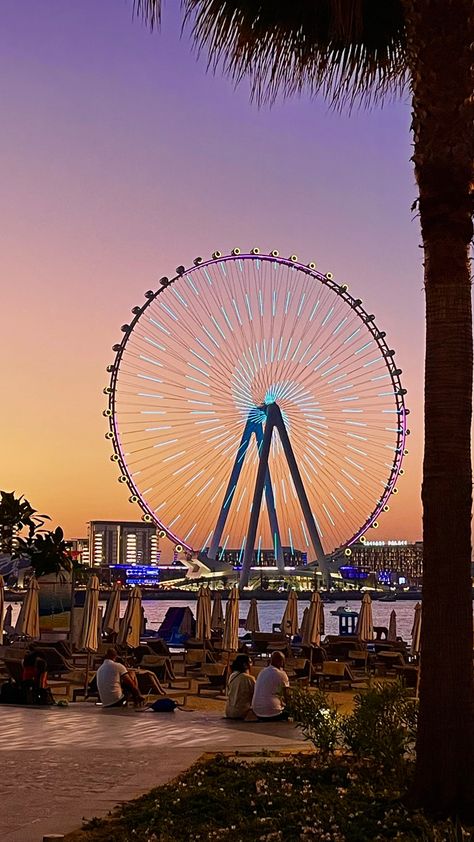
268	701
34	680
240	687
115	683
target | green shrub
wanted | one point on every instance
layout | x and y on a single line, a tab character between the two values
382	727
317	717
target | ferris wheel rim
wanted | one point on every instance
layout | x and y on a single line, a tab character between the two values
340	290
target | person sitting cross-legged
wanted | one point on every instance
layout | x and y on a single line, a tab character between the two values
240	687
268	701
115	683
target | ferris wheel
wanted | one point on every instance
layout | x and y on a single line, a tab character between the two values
254	404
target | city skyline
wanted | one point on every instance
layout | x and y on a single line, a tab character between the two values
110	180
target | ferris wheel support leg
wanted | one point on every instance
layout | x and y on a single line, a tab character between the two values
257	496
230	490
301	493
272	515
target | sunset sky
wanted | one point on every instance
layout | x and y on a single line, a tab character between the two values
121	159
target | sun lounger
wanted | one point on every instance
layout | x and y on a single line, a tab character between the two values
338	674
216	675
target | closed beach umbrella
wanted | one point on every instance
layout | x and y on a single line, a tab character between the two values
314	621
230	641
2	606
392	627
289	623
7	620
89	634
217	619
416	631
111	623
251	623
304	621
203	614
28	618
130	625
365	624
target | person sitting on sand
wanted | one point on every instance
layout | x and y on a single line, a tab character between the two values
240	687
115	683
268	701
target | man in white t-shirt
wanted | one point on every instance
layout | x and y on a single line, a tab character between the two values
115	684
268	701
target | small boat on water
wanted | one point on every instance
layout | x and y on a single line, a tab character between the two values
342	609
388	597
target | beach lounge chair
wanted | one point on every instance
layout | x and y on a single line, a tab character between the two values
216	675
387	660
162	667
14	669
338	674
149	686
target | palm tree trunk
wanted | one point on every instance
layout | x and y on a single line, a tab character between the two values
440	64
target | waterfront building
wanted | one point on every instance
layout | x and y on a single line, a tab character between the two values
391	562
123	542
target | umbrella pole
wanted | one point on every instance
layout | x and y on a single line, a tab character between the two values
86	683
417	688
310	665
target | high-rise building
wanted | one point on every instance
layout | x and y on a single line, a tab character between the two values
123	542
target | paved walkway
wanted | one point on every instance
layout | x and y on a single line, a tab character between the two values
59	765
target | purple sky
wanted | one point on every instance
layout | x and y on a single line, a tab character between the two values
121	158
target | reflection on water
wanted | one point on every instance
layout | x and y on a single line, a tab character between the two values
272	612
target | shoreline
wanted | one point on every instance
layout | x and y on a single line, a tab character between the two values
176	594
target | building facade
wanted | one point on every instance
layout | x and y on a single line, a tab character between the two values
395	562
114	542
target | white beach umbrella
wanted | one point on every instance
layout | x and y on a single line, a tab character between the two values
28	618
416	631
89	634
230	641
217	618
111	622
130	625
252	623
314	621
289	622
392	627
203	614
365	624
2	606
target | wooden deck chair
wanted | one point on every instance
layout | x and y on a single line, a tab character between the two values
338	674
149	686
163	669
216	675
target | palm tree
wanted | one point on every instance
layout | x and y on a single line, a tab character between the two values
367	51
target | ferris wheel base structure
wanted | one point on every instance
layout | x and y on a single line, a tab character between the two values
270	415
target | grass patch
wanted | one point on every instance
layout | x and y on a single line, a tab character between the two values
301	797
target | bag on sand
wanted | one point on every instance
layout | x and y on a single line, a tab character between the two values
164	705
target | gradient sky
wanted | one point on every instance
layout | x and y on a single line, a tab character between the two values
122	158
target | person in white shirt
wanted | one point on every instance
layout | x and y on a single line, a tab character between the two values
115	684
268	702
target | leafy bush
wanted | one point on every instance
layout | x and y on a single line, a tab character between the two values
317	717
382	727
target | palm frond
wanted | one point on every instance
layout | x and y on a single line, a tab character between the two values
348	50
149	10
